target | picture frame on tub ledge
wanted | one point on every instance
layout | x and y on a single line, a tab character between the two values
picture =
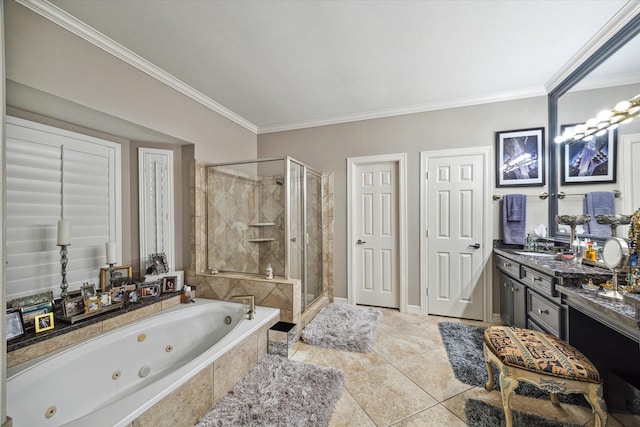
44	322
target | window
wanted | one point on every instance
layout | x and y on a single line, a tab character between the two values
53	173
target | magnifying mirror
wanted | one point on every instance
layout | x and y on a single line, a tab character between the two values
615	255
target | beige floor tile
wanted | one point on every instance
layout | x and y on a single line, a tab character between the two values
349	362
433	373
349	414
397	343
387	396
436	416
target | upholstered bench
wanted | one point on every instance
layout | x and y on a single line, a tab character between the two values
544	361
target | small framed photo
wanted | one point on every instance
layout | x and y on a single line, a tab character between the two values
14	325
134	296
119	272
159	263
589	162
169	283
92	304
88	290
30	312
147	291
520	158
40	298
44	322
119	294
105	299
73	306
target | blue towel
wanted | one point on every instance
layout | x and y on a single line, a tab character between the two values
514	218
599	203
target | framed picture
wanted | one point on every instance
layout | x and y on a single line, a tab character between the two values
147	291
44	322
169	283
118	273
14	325
119	294
133	296
32	300
92	304
520	158
88	290
105	299
73	306
159	262
30	312
589	162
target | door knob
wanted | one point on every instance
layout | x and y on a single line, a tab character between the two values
475	246
361	242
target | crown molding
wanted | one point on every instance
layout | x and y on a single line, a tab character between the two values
615	24
79	28
413	109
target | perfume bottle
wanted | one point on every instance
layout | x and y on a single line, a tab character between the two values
269	272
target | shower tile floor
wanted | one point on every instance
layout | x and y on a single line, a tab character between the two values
407	381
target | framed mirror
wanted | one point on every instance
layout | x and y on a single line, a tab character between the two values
610	75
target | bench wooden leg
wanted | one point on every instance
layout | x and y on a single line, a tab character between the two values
487	361
507	385
598	405
554	399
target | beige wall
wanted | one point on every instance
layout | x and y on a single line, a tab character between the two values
327	148
43	56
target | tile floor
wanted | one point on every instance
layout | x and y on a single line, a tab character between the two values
407	381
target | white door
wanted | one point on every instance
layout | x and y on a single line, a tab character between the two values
629	184
375	245
455	223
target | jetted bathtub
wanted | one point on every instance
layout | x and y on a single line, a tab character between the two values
112	379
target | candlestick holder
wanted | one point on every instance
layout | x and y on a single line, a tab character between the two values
63	262
112	268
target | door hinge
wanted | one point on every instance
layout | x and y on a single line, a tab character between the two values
427	233
426	175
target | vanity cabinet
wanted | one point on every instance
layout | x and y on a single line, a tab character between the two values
528	298
513	302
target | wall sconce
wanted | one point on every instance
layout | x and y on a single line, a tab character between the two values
622	113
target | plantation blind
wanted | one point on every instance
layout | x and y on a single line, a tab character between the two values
54	173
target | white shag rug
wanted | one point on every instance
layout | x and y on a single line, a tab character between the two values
279	392
344	327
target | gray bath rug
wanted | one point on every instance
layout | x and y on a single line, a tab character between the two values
481	414
463	344
344	327
279	392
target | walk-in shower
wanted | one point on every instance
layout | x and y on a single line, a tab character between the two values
264	213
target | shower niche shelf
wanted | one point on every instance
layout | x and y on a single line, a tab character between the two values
262	239
262	224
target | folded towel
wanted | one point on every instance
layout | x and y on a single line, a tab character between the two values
599	203
514	218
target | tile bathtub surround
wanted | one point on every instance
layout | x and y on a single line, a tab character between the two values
407	381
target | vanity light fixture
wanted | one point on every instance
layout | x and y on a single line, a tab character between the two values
622	113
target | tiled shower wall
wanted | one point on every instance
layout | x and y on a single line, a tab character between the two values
241	209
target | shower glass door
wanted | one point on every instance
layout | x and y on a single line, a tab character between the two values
296	223
313	237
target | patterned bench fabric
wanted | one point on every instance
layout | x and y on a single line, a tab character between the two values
539	352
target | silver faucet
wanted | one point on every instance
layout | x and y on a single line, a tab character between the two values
251	299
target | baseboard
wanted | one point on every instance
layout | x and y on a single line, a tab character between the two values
414	309
495	318
340	300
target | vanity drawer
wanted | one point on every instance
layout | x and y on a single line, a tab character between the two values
540	282
510	267
546	314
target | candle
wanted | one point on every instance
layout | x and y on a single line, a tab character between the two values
111	252
64	232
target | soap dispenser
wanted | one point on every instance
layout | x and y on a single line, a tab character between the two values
269	272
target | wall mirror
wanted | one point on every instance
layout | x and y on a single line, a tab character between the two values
610	75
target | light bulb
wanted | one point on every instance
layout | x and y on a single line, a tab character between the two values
588	138
604	115
627	120
601	132
622	106
592	122
558	139
580	129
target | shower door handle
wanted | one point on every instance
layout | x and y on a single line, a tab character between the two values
361	242
293	239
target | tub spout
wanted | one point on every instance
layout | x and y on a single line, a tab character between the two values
251	299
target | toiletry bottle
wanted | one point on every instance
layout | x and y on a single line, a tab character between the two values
269	272
186	295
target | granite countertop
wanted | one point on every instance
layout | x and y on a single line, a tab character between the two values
551	266
572	275
61	327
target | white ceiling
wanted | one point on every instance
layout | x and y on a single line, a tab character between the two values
287	64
